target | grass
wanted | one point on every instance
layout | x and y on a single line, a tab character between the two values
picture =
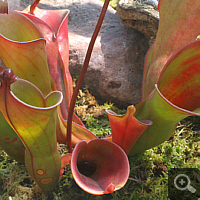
149	170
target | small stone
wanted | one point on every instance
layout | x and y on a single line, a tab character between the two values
141	15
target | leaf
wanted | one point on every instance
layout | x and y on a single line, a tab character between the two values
54	26
33	118
17	27
78	132
176	97
126	129
180	80
176	29
3	6
10	142
100	166
23	51
66	159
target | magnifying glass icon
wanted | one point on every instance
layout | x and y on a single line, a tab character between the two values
182	182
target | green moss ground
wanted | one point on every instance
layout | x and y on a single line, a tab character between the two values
149	170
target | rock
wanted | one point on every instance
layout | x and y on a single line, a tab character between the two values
141	15
154	3
116	66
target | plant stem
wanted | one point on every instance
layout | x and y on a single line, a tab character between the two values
82	74
33	6
3	6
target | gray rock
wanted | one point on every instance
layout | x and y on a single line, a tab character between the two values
154	3
141	15
116	66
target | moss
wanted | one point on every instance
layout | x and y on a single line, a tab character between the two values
149	171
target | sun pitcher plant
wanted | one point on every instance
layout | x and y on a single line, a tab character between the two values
36	90
37	99
171	77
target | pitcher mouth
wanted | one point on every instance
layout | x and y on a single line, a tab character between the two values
86	167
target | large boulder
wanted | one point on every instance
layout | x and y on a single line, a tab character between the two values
116	66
